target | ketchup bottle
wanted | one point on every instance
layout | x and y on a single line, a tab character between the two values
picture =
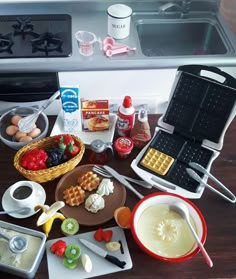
126	117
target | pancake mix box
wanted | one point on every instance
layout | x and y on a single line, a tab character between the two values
94	115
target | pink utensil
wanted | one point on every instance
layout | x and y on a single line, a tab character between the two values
109	42
110	52
111	47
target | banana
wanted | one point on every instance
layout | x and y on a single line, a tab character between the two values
48	225
49	214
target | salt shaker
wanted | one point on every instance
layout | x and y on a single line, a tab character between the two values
99	151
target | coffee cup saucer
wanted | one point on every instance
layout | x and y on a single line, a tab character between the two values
8	204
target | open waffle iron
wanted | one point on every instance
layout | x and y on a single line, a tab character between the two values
191	130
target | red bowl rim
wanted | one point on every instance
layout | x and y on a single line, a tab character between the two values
162	258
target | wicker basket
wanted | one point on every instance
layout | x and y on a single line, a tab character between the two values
53	172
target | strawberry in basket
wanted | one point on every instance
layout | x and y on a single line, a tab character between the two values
67	144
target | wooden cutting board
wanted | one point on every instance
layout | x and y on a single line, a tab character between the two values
56	269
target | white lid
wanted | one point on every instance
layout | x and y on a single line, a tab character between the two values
119	11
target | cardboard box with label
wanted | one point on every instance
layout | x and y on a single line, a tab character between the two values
94	115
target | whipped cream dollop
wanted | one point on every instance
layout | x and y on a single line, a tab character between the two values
94	203
106	187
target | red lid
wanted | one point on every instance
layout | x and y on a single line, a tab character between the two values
127	103
123	144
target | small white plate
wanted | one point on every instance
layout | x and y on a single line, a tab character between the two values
8	204
87	137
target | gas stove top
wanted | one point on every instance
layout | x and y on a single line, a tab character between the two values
29	36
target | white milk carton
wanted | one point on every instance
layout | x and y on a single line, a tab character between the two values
71	108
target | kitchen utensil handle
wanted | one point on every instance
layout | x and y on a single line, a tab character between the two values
200	168
115	261
196	70
50	100
200	245
138	182
130	187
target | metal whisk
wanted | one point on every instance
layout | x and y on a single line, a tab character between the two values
26	124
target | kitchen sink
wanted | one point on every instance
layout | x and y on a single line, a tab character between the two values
181	37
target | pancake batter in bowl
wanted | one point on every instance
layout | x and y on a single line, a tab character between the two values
165	232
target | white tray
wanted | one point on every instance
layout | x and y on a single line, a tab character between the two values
87	137
101	266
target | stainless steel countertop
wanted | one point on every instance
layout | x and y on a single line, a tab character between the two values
96	22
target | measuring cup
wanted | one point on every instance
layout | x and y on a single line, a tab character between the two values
86	41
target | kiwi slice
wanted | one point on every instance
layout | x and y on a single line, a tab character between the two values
69	226
72	251
70	263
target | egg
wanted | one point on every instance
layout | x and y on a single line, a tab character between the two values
15	119
11	130
19	135
34	133
25	138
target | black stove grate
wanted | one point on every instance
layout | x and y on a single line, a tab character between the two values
30	36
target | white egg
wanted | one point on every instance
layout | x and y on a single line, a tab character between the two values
19	135
15	119
11	130
25	138
34	133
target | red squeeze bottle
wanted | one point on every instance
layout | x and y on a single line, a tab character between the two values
126	117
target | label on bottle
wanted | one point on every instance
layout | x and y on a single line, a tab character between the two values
140	139
124	124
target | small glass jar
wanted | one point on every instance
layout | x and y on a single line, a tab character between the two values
99	152
123	146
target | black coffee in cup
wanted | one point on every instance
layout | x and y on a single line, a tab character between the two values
22	192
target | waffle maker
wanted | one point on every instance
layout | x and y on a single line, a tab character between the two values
192	129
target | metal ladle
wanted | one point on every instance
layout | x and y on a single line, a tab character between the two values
182	210
17	244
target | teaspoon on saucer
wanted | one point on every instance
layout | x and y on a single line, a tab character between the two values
23	211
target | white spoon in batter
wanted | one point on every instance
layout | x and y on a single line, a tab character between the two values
182	210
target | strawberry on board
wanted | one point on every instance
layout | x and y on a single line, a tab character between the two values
58	248
107	235
98	235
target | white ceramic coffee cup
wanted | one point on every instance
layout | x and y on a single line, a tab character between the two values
23	194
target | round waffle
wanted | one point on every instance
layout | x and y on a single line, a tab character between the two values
74	195
89	181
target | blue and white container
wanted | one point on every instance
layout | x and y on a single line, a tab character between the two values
70	99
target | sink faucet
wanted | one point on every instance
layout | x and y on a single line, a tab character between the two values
183	8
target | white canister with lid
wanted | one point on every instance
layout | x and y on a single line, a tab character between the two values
119	17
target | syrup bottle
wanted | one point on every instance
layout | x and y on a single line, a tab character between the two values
141	134
126	117
99	152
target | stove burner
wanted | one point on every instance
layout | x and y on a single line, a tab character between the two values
23	27
46	42
6	43
35	36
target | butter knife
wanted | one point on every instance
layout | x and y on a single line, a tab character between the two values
102	253
122	180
